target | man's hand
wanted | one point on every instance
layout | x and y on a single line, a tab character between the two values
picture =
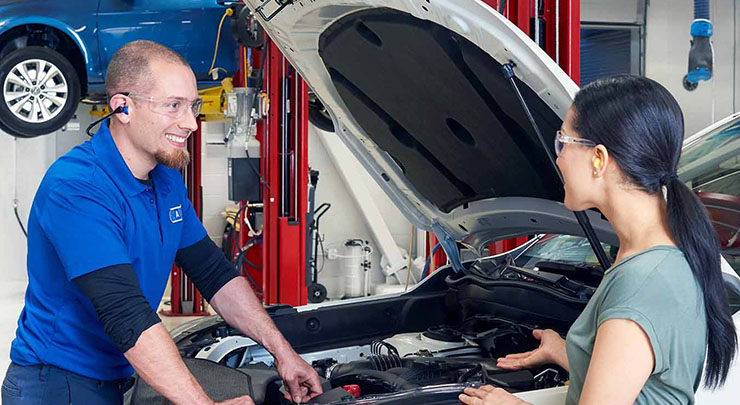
487	395
236	302
551	351
245	400
299	378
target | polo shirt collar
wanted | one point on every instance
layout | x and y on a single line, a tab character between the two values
111	161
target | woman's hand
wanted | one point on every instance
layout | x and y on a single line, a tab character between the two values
551	350
487	395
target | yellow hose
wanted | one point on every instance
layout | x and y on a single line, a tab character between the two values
227	13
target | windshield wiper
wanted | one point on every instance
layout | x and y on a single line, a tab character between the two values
588	230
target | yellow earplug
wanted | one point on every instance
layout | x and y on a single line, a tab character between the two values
597	163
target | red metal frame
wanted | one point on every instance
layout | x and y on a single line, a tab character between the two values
271	173
255	254
439	258
568	56
182	288
284	237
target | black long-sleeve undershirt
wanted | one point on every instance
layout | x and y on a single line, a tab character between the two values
120	304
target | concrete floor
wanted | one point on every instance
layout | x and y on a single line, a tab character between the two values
11	302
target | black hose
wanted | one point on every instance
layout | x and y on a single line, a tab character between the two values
473	371
385	381
18	217
399	371
239	264
241	259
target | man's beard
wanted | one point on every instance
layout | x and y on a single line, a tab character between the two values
176	159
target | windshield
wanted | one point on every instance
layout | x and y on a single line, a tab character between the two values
563	249
710	166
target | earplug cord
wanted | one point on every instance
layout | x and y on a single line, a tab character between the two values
119	109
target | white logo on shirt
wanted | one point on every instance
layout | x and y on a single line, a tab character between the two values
176	214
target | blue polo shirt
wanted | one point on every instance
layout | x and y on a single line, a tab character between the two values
90	212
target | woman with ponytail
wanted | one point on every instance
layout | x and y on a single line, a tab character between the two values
660	311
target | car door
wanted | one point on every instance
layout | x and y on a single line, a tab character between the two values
189	27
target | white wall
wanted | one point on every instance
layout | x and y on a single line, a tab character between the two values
667	50
344	220
611	11
667	25
23	163
214	178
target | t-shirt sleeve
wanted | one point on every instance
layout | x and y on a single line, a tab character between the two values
641	319
638	295
85	227
193	230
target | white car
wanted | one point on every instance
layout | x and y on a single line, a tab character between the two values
419	91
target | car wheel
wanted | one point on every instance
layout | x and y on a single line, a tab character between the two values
40	91
318	114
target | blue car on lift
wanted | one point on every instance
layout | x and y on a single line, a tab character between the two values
55	53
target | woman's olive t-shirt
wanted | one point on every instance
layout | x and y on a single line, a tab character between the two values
657	290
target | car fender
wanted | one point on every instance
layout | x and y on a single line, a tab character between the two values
10	23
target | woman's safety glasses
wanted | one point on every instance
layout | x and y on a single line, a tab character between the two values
561	139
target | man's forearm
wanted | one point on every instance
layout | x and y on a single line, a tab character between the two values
156	359
238	305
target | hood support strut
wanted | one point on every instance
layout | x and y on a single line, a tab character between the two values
583	221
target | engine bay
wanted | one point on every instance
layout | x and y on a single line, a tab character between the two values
441	355
424	346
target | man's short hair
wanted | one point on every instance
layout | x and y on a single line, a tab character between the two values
129	70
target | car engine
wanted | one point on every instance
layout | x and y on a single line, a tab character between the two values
424	346
465	354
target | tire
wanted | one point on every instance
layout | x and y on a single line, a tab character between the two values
28	107
319	115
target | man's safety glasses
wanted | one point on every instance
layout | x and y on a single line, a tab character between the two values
561	139
173	107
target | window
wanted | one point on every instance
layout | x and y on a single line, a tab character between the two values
710	166
565	249
608	50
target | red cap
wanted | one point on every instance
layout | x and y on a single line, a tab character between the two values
353	389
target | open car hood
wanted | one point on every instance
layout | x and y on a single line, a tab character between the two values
416	91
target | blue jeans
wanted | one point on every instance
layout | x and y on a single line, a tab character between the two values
46	384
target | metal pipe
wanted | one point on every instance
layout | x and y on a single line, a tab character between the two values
557	31
296	127
536	17
284	130
588	230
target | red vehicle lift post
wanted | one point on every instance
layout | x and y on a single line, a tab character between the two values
183	290
283	137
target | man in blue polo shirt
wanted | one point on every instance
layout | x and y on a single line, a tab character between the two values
107	222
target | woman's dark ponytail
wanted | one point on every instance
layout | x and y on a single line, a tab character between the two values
693	232
641	125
